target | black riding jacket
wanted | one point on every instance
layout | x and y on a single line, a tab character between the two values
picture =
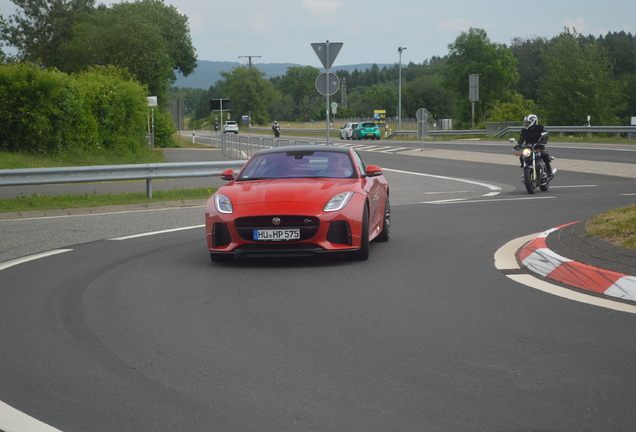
531	135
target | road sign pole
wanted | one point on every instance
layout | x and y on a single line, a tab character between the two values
327	54
327	70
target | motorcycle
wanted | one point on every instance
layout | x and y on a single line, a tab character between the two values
534	169
276	130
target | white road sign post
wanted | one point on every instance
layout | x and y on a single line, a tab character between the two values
152	102
327	53
422	124
473	92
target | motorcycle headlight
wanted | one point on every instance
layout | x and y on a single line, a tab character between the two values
526	152
338	202
223	204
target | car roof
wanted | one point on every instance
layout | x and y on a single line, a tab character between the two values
306	148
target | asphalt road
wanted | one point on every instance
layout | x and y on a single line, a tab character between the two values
145	333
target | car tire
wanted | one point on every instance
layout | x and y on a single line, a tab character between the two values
362	254
385	234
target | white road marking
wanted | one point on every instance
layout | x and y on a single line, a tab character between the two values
493	188
12	420
484	200
439	193
395	149
505	259
451	201
17	261
573	186
155	232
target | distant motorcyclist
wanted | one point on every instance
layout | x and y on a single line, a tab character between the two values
531	134
276	129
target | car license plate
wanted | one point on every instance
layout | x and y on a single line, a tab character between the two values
370	134
277	235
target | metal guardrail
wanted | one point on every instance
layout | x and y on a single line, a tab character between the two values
441	132
244	146
575	129
510	129
294	130
106	173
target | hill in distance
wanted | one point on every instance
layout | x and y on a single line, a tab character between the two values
209	72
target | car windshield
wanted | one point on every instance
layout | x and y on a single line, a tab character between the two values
368	125
298	164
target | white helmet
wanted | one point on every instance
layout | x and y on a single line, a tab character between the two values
530	120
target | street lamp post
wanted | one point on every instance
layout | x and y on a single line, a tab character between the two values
400	49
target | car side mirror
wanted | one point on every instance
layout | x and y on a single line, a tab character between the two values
228	174
373	171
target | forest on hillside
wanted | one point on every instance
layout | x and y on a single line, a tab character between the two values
564	80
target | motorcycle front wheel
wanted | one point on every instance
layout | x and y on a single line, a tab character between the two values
544	186
529	180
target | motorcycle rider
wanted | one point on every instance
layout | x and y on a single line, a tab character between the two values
531	134
276	128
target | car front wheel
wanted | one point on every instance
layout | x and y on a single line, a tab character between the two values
362	254
385	234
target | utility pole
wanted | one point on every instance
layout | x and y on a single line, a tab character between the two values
400	49
250	59
343	95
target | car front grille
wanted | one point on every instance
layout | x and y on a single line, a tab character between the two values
308	225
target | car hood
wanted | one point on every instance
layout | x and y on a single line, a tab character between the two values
317	191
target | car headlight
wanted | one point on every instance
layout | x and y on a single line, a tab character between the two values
338	202
526	152
223	204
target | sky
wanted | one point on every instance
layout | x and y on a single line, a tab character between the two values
282	31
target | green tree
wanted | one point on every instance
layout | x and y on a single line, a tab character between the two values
579	81
379	97
300	84
426	91
40	27
283	109
629	85
512	111
147	37
473	53
216	91
250	93
529	55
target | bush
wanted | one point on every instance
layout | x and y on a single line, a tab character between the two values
47	111
164	129
118	105
41	111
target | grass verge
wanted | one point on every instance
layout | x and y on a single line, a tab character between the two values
615	226
58	202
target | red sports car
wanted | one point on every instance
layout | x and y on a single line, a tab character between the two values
299	201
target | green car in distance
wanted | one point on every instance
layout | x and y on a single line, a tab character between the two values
365	131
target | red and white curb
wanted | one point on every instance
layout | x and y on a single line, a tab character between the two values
537	258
